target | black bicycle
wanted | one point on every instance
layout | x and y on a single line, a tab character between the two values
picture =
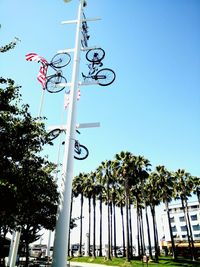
103	76
81	151
95	55
57	82
84	31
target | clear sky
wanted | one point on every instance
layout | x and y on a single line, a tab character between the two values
153	107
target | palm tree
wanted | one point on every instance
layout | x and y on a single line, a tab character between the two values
107	171
123	166
69	245
132	170
164	183
184	188
148	229
99	176
120	202
152	200
88	187
78	187
140	175
113	203
96	189
194	184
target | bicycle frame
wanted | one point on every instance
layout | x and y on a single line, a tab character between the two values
57	72
85	35
81	152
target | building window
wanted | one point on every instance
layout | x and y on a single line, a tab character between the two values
184	228
184	236
172	220
182	219
197	236
194	207
174	228
196	227
194	217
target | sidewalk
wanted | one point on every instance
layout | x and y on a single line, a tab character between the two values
84	264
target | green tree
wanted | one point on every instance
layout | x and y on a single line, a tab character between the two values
120	202
78	189
99	177
164	182
184	188
26	180
88	187
107	171
152	200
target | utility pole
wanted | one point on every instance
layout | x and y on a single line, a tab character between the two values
63	219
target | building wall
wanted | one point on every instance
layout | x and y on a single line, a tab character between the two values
178	222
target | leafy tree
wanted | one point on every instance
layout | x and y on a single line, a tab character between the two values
152	200
99	177
184	187
164	182
27	187
78	189
107	177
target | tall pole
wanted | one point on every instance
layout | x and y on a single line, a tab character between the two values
63	219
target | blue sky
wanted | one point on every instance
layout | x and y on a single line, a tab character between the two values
153	107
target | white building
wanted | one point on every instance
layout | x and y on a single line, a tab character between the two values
178	222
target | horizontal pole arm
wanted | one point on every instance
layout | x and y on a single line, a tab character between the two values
75	21
79	125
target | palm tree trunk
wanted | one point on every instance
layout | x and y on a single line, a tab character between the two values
94	226
142	232
123	234
81	227
138	233
148	232
157	239
100	227
69	245
108	199
198	194
89	208
170	231
188	235
130	231
111	228
190	230
127	220
155	233
114	222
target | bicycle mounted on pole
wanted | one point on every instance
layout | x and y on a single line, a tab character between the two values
103	76
81	151
57	82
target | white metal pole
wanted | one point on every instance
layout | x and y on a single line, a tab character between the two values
15	249
63	219
49	245
11	249
41	103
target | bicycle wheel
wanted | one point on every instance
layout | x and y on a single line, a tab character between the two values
55	83
95	55
60	60
105	77
53	134
81	152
